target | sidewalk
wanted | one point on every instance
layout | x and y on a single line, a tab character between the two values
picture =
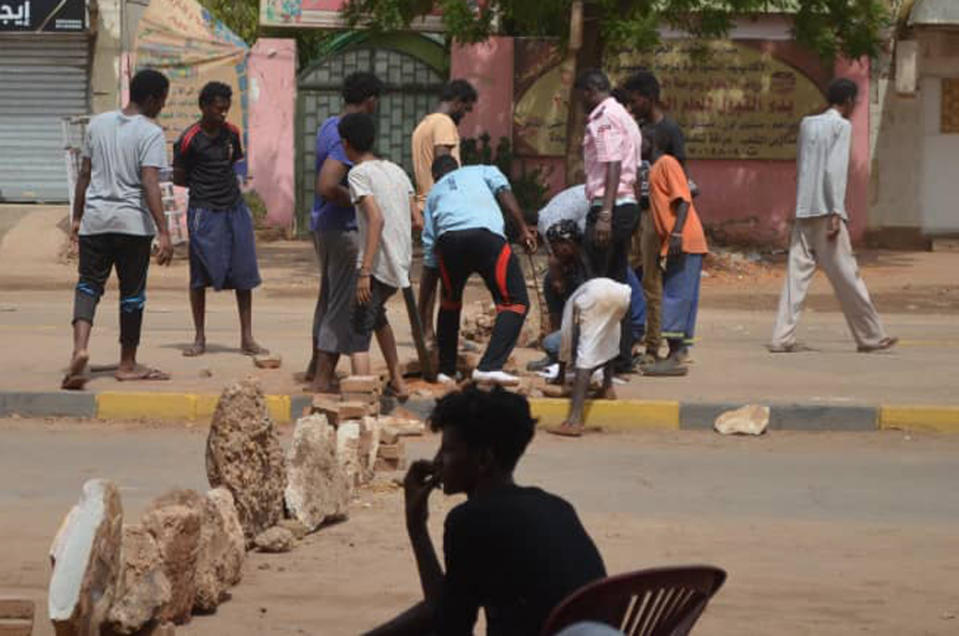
915	293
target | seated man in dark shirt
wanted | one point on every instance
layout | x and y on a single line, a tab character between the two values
514	551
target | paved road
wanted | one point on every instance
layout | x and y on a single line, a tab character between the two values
821	533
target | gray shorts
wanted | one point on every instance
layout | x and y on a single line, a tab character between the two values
371	316
336	252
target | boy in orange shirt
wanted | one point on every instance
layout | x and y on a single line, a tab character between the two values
683	246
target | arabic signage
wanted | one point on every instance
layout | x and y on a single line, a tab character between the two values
181	39
325	14
542	80
43	15
733	101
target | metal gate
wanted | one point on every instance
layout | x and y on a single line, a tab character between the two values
412	90
43	78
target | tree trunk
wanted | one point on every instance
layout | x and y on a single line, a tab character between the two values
590	55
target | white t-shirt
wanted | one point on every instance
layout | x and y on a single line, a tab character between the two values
569	204
118	147
388	184
595	310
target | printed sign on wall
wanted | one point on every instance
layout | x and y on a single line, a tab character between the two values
732	101
43	15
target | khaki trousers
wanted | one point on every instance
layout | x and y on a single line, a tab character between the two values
652	282
810	246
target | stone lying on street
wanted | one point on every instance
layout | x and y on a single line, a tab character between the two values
297	528
361	384
356	445
86	560
222	550
243	454
275	539
175	521
751	419
318	488
268	361
143	586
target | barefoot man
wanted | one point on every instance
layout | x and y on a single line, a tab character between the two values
590	340
222	247
117	209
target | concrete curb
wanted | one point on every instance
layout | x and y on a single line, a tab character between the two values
619	415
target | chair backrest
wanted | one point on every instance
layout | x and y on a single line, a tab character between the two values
654	602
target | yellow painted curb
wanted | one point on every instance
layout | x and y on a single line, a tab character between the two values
932	419
612	415
175	406
117	405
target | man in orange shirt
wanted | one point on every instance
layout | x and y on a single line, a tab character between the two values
682	248
437	135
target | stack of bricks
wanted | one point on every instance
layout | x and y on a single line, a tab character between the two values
362	389
391	454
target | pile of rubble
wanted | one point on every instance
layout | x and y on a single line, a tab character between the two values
480	316
188	548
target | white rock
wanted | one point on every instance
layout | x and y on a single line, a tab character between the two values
317	489
751	419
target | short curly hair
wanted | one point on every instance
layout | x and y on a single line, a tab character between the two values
360	86
496	420
212	90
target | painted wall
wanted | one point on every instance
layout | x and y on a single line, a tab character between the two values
489	67
272	73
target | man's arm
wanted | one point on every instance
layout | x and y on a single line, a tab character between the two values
681	208
604	222
80	196
419	482
374	232
507	201
429	277
416	217
836	177
329	182
150	177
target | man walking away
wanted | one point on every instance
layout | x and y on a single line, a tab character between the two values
437	135
590	340
222	244
383	196
819	236
333	223
464	233
611	159
117	209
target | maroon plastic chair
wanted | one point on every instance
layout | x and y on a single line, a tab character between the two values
654	602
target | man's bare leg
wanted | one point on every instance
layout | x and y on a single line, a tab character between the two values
244	305
607	392
573	426
360	363
325	368
387	342
75	378
427	305
198	307
128	369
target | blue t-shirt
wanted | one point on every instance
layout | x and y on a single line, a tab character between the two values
326	215
464	199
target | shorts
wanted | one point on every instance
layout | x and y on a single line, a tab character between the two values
222	248
371	316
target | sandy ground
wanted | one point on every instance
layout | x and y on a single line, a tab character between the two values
916	293
820	533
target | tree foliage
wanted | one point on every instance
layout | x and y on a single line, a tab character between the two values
830	27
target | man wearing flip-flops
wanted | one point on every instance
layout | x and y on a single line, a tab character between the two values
117	210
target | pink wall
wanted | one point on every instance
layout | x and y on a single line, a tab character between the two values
489	67
272	94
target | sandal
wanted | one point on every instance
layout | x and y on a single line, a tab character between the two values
145	373
566	430
886	343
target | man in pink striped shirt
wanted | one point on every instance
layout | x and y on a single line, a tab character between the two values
611	156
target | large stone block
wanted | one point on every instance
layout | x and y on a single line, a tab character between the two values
243	454
86	561
175	521
143	587
318	489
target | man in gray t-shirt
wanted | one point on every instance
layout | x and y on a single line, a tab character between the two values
117	210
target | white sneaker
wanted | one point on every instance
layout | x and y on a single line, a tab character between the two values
494	377
442	378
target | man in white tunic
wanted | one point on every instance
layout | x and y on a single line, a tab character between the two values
590	340
819	235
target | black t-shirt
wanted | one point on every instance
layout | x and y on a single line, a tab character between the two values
516	552
208	162
676	134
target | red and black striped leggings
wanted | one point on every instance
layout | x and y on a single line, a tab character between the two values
460	253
